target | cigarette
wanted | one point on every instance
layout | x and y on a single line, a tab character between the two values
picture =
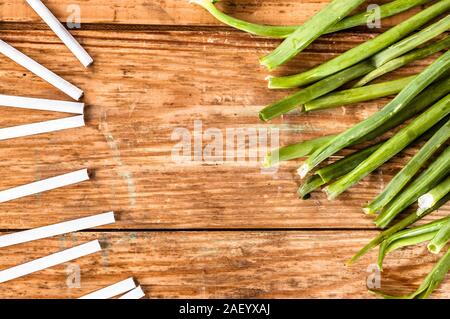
113	290
136	293
50	261
65	36
57	229
44	185
41	71
41	127
41	104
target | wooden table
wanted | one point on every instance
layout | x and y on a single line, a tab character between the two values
194	229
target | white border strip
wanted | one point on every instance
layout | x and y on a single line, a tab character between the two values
41	127
41	71
57	229
44	185
41	104
61	32
113	290
136	293
50	261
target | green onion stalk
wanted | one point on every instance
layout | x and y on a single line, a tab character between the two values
398	183
440	240
392	147
335	170
404	60
433	196
412	42
439	67
304	35
409	237
362	51
357	95
422	184
431	282
400	225
314	91
306	148
385	11
294	151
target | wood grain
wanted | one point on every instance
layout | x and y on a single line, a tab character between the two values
196	229
137	94
174	12
221	265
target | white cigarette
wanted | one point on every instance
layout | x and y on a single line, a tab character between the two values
41	127
113	290
50	261
44	73
57	229
41	104
44	185
136	293
61	32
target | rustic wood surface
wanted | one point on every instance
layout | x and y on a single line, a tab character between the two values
252	264
174	12
185	229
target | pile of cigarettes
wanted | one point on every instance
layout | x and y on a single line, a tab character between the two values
126	289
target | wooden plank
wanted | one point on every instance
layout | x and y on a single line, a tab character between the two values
174	12
220	265
143	86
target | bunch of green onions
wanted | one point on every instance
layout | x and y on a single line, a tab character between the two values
422	100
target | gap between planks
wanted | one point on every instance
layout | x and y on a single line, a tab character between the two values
13	26
211	230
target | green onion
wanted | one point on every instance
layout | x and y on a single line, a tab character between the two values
386	10
393	146
410	170
403	60
309	31
294	151
357	95
432	94
427	180
362	51
409	237
402	224
420	82
421	102
431	282
397	242
335	170
314	91
343	166
256	29
314	182
306	148
412	42
433	196
440	240
346	164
